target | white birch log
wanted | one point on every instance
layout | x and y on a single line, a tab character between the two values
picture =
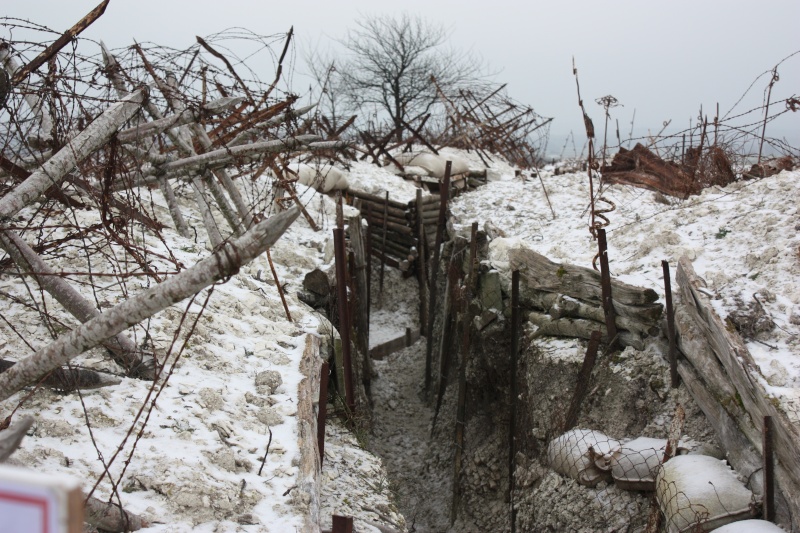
125	351
253	133
199	191
113	72
223	176
222	202
84	144
184	167
219	265
68	379
187	116
10	438
11	66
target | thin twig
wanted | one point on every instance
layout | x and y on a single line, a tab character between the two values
264	460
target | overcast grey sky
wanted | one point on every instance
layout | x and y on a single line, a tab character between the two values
663	59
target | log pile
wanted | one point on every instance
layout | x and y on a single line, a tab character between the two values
395	227
568	301
642	168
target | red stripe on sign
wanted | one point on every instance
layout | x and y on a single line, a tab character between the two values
37	501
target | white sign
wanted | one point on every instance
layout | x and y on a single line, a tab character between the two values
31	502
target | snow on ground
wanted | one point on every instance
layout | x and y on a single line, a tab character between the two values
197	460
743	239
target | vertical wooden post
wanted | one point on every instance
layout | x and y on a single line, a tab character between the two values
368	244
422	269
512	423
322	413
769	466
673	350
605	277
344	318
342	524
383	245
443	198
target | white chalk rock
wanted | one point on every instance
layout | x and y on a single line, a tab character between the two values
750	526
433	164
583	454
324	177
697	491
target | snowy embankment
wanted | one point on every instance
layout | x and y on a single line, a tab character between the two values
743	239
189	454
196	463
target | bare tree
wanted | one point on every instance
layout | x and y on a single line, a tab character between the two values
392	60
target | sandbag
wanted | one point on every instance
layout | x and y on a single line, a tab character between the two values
433	164
701	493
750	526
635	465
583	454
323	177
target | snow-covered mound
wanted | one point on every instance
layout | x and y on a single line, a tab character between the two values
743	239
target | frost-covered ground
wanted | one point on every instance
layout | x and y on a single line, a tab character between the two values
197	461
743	239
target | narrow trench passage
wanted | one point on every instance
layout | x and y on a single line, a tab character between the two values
402	419
401	437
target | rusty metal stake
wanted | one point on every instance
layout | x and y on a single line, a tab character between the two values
280	287
461	408
512	424
339	210
673	351
368	246
582	385
769	471
605	280
322	413
344	315
434	268
342	524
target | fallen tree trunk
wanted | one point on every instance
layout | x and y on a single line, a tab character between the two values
744	375
77	149
220	265
186	116
579	282
71	379
124	350
113	71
